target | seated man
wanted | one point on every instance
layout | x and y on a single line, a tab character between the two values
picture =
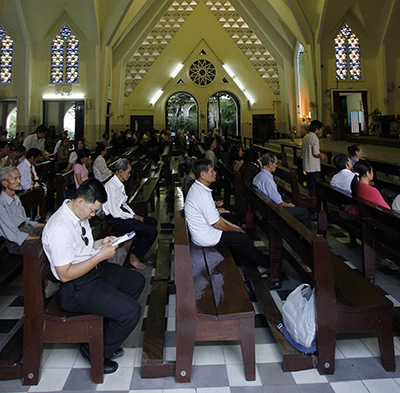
27	170
6	158
87	284
123	218
208	228
15	227
342	180
100	169
37	140
265	183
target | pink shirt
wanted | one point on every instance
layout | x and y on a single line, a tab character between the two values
79	168
371	194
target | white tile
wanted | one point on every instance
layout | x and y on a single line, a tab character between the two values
12	313
349	387
120	380
207	355
138	360
171	324
61	358
170	353
233	354
257	308
236	376
128	360
372	344
308	376
338	354
225	389
396	303
51	380
268	353
353	348
381	385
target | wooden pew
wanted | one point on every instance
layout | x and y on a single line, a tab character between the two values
346	303
280	155
65	186
166	159
211	299
48	323
296	148
252	142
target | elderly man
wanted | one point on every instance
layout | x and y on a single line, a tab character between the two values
208	228
87	284
15	227
123	218
265	183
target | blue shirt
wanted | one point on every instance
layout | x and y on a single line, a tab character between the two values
265	183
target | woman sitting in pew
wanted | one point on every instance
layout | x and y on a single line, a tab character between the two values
100	169
80	171
360	185
356	152
15	227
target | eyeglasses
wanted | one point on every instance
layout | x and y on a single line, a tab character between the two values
85	239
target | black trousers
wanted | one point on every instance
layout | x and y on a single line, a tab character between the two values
243	249
303	215
311	178
146	230
111	291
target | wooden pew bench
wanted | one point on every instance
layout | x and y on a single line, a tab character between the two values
280	155
332	202
345	302
65	186
211	299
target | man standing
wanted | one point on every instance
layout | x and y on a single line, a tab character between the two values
88	284
312	156
265	183
206	225
342	180
37	140
27	170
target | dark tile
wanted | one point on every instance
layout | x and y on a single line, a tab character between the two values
170	339
381	290
18	302
248	389
280	389
371	368
13	386
138	382
80	379
272	374
316	388
7	324
12	291
264	336
260	321
211	376
283	293
344	371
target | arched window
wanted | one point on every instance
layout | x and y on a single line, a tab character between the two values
223	113
347	54
65	57
182	111
6	56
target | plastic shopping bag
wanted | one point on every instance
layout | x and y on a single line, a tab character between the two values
299	315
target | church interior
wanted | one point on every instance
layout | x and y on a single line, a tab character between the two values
114	65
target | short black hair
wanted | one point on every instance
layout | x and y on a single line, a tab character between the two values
268	158
340	161
353	149
84	152
315	124
20	149
41	128
201	166
91	190
250	155
100	148
208	142
3	144
33	152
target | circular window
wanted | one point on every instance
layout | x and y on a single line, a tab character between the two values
202	72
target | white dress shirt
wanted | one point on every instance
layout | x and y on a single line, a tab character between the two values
33	141
116	200
201	214
26	177
63	239
265	182
342	181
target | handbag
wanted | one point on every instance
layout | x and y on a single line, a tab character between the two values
299	315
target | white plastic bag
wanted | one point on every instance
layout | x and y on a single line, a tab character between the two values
299	315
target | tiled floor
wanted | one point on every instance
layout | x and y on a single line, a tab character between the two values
217	367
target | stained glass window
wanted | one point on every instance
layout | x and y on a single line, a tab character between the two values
6	56
65	57
347	54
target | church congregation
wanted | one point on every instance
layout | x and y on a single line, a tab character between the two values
173	174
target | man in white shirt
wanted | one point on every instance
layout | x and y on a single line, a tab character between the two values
88	284
265	183
37	140
208	228
342	180
27	170
311	155
100	168
123	218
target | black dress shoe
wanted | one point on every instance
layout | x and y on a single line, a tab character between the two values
118	353
110	366
84	350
